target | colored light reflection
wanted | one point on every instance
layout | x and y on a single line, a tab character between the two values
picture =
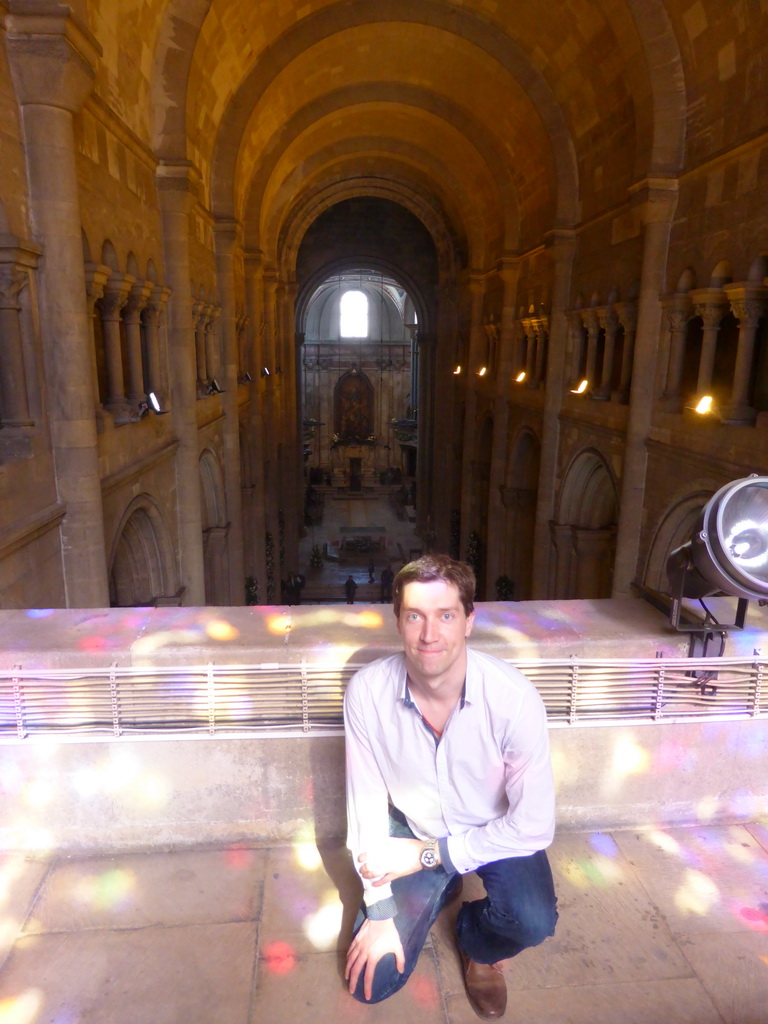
221	630
323	926
23	1009
629	758
697	895
108	891
279	957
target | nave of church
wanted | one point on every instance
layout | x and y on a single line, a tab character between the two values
500	267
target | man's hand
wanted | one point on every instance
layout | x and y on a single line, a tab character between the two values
374	940
393	858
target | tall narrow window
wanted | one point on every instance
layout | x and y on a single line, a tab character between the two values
354	315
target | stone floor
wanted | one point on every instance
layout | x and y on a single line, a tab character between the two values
657	927
342	509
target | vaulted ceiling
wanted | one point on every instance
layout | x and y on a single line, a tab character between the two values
494	122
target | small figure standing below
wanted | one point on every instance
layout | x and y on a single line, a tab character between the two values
386	584
349	589
448	771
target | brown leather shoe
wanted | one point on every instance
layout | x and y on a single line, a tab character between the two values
486	988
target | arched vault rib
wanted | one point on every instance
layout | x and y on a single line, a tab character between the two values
452	168
399	174
316	202
502	50
336	102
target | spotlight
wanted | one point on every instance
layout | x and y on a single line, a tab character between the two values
580	388
729	553
264	372
214	388
457	371
245	379
482	371
520	377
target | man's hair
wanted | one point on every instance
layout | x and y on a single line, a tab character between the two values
436	567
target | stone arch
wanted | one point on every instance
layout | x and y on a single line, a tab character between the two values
142	568
675	528
584	533
215	527
109	256
518	501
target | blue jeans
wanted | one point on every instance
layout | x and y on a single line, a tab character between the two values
519	911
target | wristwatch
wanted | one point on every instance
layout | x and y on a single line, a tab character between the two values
428	856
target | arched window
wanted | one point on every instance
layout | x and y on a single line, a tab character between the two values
354	315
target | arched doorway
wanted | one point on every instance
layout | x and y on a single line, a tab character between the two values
584	534
142	568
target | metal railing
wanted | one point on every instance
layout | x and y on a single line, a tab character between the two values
226	699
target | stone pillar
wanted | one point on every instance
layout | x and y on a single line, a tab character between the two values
576	346
710	305
468	481
176	184
52	57
95	278
153	310
212	346
254	512
627	314
562	586
749	304
591	321
541	331
111	305
138	297
609	321
228	243
200	318
659	200
678	312
561	246
529	333
14	405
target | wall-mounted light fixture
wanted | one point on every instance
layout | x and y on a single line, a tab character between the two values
264	371
704	405
520	377
457	371
580	388
214	388
482	371
245	379
151	404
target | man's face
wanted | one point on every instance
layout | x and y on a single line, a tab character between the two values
434	628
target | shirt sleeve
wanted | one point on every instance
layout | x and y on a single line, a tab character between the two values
367	797
528	824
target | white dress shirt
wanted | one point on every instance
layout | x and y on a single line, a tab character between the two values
487	785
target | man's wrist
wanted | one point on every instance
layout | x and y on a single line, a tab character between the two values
429	857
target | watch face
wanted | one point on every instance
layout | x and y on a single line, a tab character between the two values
429	858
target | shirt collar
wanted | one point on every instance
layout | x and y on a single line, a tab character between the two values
407	699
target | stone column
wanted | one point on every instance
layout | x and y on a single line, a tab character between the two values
150	317
52	57
529	333
658	197
138	297
228	242
111	305
710	305
592	323
562	588
254	513
561	246
176	185
609	321
749	304
212	346
627	314
14	406
678	311
95	278
541	331
468	479
576	346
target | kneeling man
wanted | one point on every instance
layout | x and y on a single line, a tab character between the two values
448	771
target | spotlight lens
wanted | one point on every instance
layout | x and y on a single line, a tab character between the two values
736	535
